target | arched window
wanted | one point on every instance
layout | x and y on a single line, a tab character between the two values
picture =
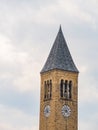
61	88
70	89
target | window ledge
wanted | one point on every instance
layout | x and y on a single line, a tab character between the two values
67	99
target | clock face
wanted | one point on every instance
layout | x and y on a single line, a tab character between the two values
66	111
47	111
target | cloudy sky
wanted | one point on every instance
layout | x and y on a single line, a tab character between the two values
27	31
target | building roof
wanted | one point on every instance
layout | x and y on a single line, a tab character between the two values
59	57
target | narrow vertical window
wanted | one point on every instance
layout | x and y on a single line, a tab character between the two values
45	91
65	91
61	88
50	88
70	89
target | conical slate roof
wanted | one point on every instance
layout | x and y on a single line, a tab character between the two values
59	57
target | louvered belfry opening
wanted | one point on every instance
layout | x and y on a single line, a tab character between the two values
66	89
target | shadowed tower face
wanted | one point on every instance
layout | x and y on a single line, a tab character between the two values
59	89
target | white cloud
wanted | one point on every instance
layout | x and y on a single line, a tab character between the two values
18	66
13	119
27	80
5	48
88	91
21	58
74	10
48	13
90	123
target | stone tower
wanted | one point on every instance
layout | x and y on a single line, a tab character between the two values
59	89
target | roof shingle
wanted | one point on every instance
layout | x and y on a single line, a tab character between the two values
59	57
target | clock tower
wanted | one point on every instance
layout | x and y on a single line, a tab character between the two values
59	89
